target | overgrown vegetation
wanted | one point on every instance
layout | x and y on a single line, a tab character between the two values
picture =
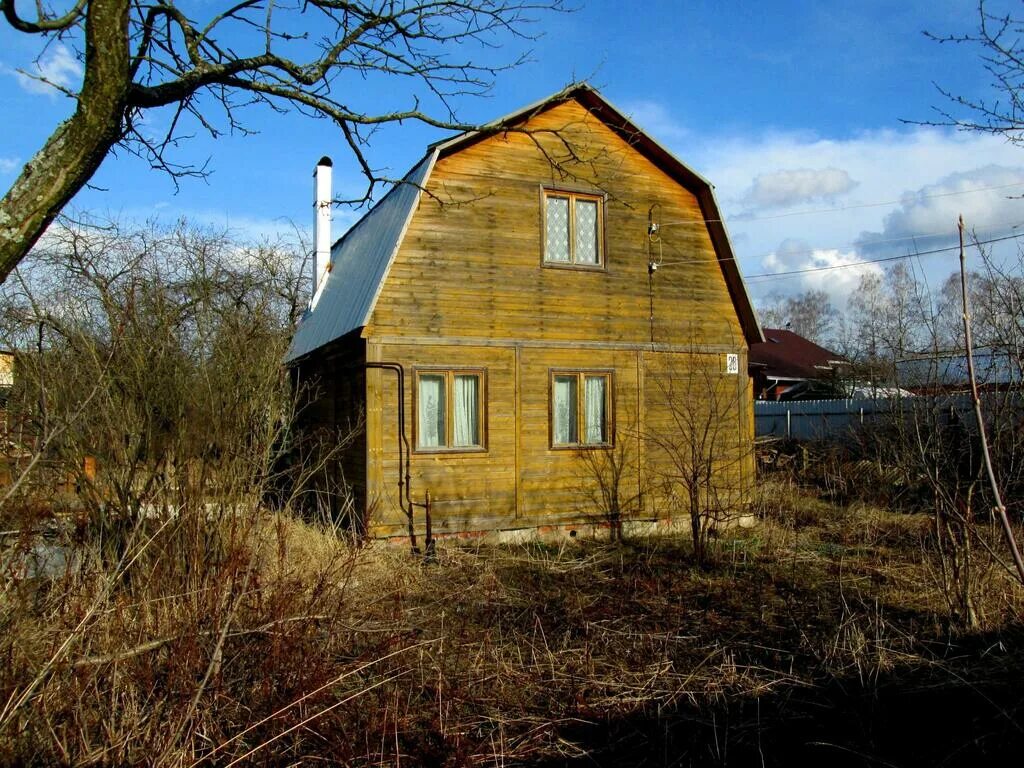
158	609
819	634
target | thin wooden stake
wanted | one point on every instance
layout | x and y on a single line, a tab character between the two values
1000	507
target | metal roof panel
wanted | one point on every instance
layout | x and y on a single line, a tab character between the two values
359	261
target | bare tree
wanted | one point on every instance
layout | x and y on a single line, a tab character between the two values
809	314
149	362
891	317
319	57
698	442
1000	48
611	489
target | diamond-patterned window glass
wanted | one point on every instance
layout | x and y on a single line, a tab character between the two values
557	246
586	232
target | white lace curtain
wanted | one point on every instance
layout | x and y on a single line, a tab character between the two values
564	412
430	430
586	232
433	411
581	231
594	410
466	403
557	248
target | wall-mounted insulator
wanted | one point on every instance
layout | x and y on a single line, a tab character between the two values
652	267
652	225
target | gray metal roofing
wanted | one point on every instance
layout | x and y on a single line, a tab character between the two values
359	262
991	368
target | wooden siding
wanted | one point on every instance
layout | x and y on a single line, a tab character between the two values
697	418
331	399
469	491
473	267
468	288
521	480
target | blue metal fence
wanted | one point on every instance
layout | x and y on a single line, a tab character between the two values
816	419
836	419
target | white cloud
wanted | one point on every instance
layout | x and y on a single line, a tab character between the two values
56	67
9	164
899	175
833	271
987	197
786	188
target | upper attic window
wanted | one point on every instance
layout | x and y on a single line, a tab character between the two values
573	229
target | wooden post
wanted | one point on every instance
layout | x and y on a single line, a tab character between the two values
429	533
1011	541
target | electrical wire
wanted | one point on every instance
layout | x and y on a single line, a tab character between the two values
995	228
769	275
812	211
944	233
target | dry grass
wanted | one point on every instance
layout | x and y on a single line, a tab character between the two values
817	634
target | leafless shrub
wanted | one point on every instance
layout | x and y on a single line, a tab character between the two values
698	443
611	491
156	416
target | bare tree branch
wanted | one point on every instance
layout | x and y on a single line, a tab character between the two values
141	55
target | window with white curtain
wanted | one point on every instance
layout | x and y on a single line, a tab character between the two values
573	224
580	408
449	410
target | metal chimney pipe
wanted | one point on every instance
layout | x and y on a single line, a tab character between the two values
322	196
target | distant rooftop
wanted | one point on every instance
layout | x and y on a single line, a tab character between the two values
788	355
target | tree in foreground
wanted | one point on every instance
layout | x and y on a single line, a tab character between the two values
148	416
324	58
1000	47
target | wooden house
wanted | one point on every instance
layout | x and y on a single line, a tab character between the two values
786	366
557	298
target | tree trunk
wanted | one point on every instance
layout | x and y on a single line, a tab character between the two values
75	150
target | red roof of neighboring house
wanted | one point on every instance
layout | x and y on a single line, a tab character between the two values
787	355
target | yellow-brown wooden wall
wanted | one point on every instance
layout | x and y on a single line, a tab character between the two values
520	480
468	288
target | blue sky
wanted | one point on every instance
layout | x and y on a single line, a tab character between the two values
787	107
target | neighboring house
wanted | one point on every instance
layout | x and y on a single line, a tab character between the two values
513	281
786	366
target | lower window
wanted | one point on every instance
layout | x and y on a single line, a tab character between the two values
580	408
449	410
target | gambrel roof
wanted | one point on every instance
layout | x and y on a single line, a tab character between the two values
362	257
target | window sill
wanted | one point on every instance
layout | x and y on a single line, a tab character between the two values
574	267
581	446
473	450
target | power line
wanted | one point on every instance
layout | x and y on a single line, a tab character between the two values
769	275
921	235
811	211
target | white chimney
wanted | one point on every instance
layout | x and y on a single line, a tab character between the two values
322	196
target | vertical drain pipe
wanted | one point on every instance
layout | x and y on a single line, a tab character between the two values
404	451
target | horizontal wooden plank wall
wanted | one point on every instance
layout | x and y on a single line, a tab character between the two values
468	288
331	397
475	490
472	268
693	408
